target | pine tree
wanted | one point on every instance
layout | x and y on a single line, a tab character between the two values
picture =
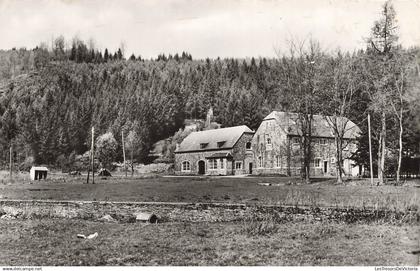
106	55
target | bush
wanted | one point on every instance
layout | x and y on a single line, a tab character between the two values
27	164
106	149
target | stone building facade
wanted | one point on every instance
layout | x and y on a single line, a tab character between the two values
225	151
277	149
274	148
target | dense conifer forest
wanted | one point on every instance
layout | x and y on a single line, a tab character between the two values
51	96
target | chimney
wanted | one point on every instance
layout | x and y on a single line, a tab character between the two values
209	117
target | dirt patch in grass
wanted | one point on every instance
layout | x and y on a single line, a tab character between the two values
54	242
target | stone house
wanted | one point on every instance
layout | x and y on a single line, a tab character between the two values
276	146
225	151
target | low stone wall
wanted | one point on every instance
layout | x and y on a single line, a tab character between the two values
199	212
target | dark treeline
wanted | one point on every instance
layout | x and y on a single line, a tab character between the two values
48	113
51	97
20	61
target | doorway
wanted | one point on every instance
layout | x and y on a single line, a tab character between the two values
250	168
201	167
325	166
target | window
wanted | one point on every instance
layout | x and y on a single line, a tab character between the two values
220	144
268	140
317	162
213	164
186	166
238	165
269	147
203	145
295	140
278	161
248	145
222	163
260	161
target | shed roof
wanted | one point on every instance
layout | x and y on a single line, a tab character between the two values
289	122
209	139
39	168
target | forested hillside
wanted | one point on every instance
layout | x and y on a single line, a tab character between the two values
51	97
49	111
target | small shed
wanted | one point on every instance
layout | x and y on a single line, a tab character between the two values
103	172
38	173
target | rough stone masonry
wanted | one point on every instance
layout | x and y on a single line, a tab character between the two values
197	212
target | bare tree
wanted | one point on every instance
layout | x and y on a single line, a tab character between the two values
405	91
383	42
338	96
131	143
300	72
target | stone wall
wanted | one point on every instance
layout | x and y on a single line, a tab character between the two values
238	153
195	157
270	158
200	212
241	154
283	155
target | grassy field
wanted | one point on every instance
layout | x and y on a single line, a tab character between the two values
54	242
322	192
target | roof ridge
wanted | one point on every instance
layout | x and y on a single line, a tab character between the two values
230	135
319	121
218	129
319	115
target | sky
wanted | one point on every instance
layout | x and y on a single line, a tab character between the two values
204	28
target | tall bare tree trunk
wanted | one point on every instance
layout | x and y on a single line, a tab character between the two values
381	150
380	158
303	158
339	159
123	147
307	159
132	163
11	162
370	152
92	148
308	139
400	147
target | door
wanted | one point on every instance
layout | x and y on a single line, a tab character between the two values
325	166
250	168
201	167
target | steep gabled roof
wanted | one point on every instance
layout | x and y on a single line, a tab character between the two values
207	140
39	168
289	122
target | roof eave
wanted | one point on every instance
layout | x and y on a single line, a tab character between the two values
205	150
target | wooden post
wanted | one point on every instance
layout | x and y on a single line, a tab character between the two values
132	163
93	154
11	161
370	153
123	147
